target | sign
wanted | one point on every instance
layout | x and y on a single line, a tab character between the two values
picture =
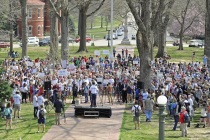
30	64
41	75
99	80
72	68
169	79
64	64
137	72
62	72
159	75
105	51
135	62
15	67
97	52
37	64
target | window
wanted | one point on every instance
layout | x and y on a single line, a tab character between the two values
30	11
39	13
30	29
39	30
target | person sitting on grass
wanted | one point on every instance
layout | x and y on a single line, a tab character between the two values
41	118
136	114
8	115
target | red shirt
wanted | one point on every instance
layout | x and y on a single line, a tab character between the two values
181	116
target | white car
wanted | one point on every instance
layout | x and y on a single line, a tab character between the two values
32	41
196	43
119	32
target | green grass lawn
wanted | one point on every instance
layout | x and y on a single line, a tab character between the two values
25	128
181	56
150	130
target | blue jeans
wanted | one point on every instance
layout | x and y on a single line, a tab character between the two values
93	101
176	120
86	97
148	114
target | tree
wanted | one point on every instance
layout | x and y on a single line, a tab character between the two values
9	11
185	15
163	18
141	10
83	6
23	4
53	54
5	89
207	33
62	12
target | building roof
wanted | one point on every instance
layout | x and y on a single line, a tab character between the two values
35	2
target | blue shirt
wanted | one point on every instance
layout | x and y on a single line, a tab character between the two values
144	94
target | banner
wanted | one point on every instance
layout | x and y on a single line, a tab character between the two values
41	75
135	62
62	72
105	51
97	52
30	64
37	64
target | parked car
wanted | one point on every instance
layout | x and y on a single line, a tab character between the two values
133	37
107	37
88	39
4	45
196	43
119	32
32	41
44	42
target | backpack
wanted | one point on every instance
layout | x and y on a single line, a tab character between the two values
186	117
7	112
137	111
41	114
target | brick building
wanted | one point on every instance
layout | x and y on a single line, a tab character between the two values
38	19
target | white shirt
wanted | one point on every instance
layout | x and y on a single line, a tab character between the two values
191	102
94	89
35	101
40	100
17	99
38	113
133	109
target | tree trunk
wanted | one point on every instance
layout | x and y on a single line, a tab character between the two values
11	37
79	23
156	38
207	33
161	42
145	61
181	42
102	20
24	28
83	16
64	34
53	55
11	29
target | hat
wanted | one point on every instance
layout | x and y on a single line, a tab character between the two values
183	108
186	101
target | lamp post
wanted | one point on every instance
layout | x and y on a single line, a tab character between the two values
108	38
111	53
162	100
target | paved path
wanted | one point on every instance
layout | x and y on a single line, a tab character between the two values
130	49
88	128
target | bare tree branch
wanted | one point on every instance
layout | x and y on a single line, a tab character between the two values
101	4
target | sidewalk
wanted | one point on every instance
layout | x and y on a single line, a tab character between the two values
79	128
130	49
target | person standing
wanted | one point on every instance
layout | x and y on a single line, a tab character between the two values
114	52
129	94
124	92
148	108
41	118
122	53
17	101
35	104
109	93
58	105
126	53
86	92
40	100
8	115
94	92
183	124
136	114
24	92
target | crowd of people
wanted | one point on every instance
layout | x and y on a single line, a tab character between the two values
186	86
